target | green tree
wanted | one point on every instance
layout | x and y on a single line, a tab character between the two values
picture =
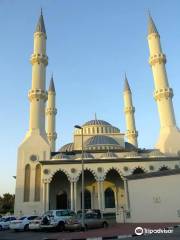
7	203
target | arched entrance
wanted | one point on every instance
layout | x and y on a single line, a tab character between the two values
61	200
109	198
114	195
59	192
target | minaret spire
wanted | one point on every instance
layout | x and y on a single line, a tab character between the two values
169	138
129	110
51	112
40	27
151	25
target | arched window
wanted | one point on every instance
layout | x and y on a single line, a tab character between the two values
109	198
97	130
27	176
138	171
37	183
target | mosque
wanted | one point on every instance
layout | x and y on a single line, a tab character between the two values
47	178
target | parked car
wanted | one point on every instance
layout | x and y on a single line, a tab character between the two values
5	222
91	220
35	224
56	219
22	223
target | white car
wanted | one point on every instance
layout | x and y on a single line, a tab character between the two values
56	219
35	224
5	222
22	223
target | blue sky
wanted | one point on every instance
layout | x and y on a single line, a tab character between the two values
91	43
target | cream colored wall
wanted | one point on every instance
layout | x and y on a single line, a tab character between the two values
33	145
155	199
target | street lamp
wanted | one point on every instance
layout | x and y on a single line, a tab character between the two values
82	167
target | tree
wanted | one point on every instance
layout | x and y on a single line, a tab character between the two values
7	203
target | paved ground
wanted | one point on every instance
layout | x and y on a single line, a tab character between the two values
117	229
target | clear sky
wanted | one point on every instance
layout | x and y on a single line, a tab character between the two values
90	44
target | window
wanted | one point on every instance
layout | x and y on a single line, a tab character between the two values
27	183
37	183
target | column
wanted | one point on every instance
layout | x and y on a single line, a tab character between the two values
75	196
72	195
99	194
46	196
102	195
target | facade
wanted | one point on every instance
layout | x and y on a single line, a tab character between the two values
50	179
154	197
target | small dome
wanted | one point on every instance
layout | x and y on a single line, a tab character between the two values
67	148
101	141
97	122
85	156
108	155
61	156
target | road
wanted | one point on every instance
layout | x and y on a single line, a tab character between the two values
117	229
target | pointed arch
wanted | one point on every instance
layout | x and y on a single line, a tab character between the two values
37	182
27	179
138	170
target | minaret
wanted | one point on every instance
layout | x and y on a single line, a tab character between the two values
129	110
51	116
38	95
169	139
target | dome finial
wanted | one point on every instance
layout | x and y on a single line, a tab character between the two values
95	116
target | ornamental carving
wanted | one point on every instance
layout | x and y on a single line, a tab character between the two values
51	111
37	94
129	109
163	93
39	58
157	58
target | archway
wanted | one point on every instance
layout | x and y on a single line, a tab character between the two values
59	192
109	198
90	193
114	193
138	170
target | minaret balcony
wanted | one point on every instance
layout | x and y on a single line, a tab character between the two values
163	93
37	94
51	111
157	58
129	109
132	133
39	58
52	136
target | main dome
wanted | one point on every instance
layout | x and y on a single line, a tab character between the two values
97	122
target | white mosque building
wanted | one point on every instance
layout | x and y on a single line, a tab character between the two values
51	179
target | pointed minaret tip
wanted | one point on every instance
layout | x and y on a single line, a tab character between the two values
151	25
126	85
40	27
51	85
